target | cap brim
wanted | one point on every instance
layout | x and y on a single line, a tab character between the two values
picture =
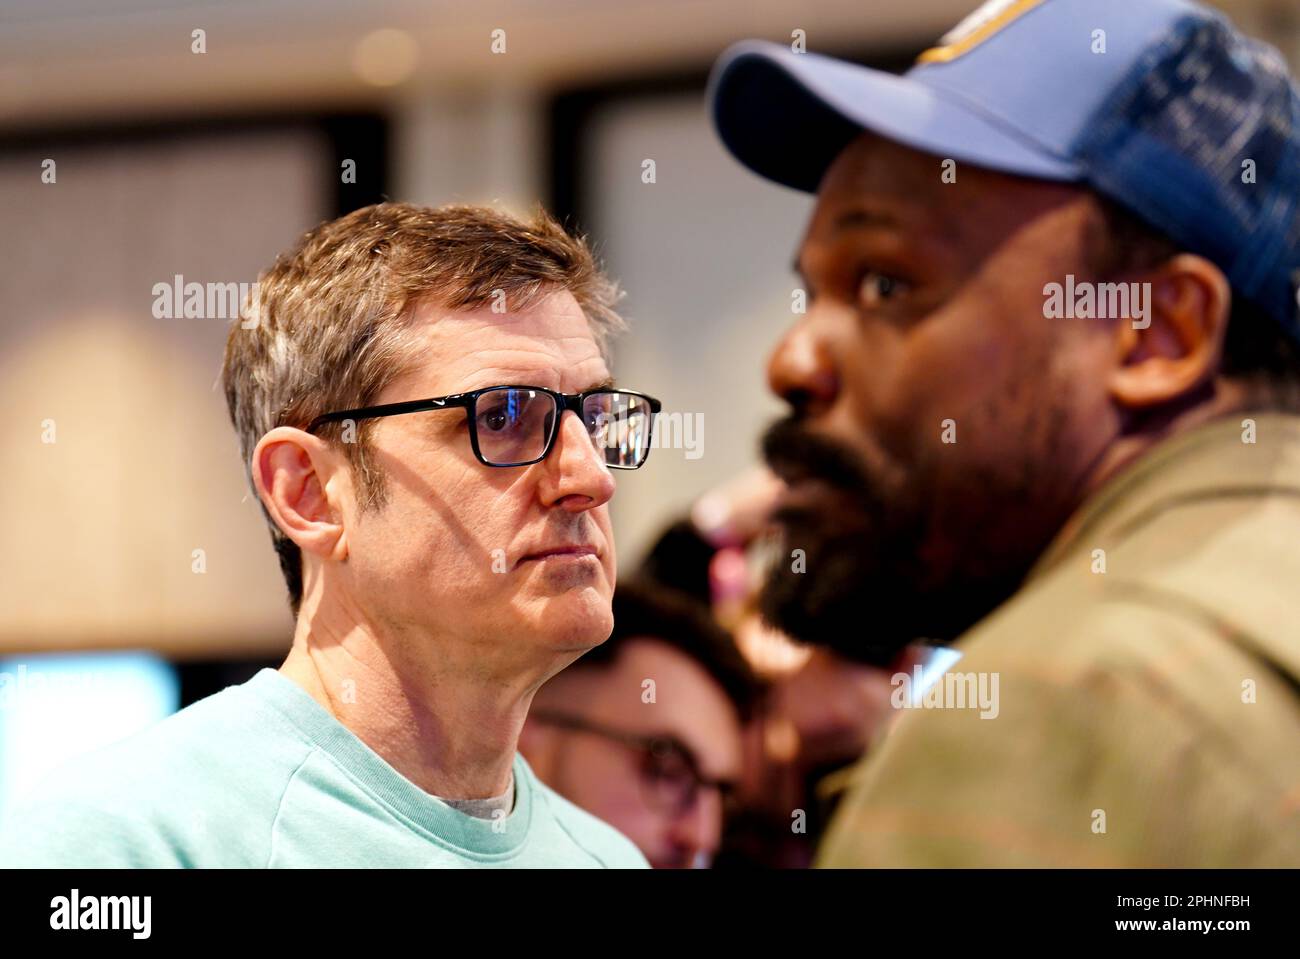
787	115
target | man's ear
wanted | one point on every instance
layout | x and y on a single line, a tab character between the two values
293	472
1177	346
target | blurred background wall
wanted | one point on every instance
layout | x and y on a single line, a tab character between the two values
126	520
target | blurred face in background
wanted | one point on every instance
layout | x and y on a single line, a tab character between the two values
940	427
641	766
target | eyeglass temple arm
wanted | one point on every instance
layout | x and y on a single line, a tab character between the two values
390	409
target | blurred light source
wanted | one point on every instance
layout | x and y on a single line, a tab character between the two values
56	707
384	58
940	660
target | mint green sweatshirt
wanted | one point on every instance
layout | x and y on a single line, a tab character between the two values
261	775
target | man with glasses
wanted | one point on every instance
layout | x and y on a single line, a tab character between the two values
401	383
645	731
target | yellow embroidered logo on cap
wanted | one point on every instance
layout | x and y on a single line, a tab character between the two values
976	28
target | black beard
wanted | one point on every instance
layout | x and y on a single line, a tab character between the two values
866	591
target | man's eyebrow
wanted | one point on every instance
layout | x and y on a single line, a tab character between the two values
695	757
858	218
861	218
605	384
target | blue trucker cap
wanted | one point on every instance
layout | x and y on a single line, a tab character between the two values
1160	105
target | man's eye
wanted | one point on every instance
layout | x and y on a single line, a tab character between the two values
494	420
876	288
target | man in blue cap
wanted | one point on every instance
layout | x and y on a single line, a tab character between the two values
1044	405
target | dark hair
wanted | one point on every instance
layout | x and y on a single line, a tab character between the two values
1256	349
680	559
647	610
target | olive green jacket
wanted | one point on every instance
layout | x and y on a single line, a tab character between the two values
1147	714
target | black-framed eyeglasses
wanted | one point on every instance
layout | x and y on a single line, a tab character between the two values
670	773
517	425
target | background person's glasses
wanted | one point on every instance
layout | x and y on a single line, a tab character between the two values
671	780
517	425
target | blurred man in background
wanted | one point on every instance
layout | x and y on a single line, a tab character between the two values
644	731
401	384
820	710
1099	494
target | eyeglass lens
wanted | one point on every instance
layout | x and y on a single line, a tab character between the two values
514	424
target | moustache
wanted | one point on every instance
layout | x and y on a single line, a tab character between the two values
794	454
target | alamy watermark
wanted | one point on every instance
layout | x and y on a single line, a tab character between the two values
75	912
952	690
24	682
204	301
675	430
1085	301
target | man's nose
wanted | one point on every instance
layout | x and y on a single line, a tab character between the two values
802	371
575	476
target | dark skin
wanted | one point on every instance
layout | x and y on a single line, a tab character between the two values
925	305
